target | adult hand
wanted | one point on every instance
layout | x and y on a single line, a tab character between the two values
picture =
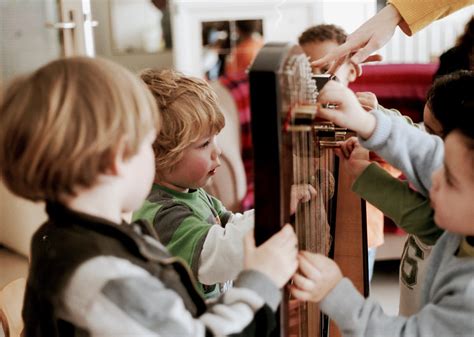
368	38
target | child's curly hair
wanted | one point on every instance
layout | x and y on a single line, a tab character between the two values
450	100
189	111
321	33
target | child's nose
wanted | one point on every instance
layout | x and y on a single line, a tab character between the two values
217	152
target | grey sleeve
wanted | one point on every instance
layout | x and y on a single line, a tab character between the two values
416	153
396	113
109	296
448	314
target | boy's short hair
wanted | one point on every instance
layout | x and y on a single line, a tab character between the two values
321	33
189	110
61	126
450	99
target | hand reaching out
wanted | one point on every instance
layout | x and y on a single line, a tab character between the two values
369	37
276	257
316	277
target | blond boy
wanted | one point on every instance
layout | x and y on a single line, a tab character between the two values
191	223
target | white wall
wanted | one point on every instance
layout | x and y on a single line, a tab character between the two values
26	43
19	219
103	40
426	45
282	21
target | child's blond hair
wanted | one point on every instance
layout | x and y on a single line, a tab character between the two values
189	110
61	126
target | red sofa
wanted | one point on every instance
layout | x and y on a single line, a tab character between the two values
399	86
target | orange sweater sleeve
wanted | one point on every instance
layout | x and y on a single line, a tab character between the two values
418	14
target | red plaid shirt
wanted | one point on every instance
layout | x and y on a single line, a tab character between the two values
238	85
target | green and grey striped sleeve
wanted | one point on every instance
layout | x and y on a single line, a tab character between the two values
109	296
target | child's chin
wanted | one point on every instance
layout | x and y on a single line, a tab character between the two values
208	181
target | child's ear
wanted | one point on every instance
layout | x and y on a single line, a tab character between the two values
117	162
352	72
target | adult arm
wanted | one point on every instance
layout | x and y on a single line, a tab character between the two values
410	15
419	14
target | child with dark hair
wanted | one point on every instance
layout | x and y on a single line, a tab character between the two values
319	40
444	101
446	303
409	209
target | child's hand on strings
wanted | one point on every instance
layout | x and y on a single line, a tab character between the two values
301	193
276	258
317	275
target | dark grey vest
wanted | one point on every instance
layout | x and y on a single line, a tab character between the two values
69	238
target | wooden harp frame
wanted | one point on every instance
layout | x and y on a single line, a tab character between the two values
273	167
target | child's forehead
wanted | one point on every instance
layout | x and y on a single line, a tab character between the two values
203	134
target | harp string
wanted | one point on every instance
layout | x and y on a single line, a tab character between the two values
311	224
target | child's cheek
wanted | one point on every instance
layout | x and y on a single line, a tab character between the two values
200	170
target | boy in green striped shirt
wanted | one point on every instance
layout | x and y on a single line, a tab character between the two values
191	223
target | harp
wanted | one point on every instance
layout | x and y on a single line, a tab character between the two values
291	146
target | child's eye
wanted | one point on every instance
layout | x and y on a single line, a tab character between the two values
205	144
448	180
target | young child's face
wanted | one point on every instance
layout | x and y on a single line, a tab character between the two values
452	192
198	165
139	171
316	50
432	125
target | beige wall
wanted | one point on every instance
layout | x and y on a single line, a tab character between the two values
19	219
